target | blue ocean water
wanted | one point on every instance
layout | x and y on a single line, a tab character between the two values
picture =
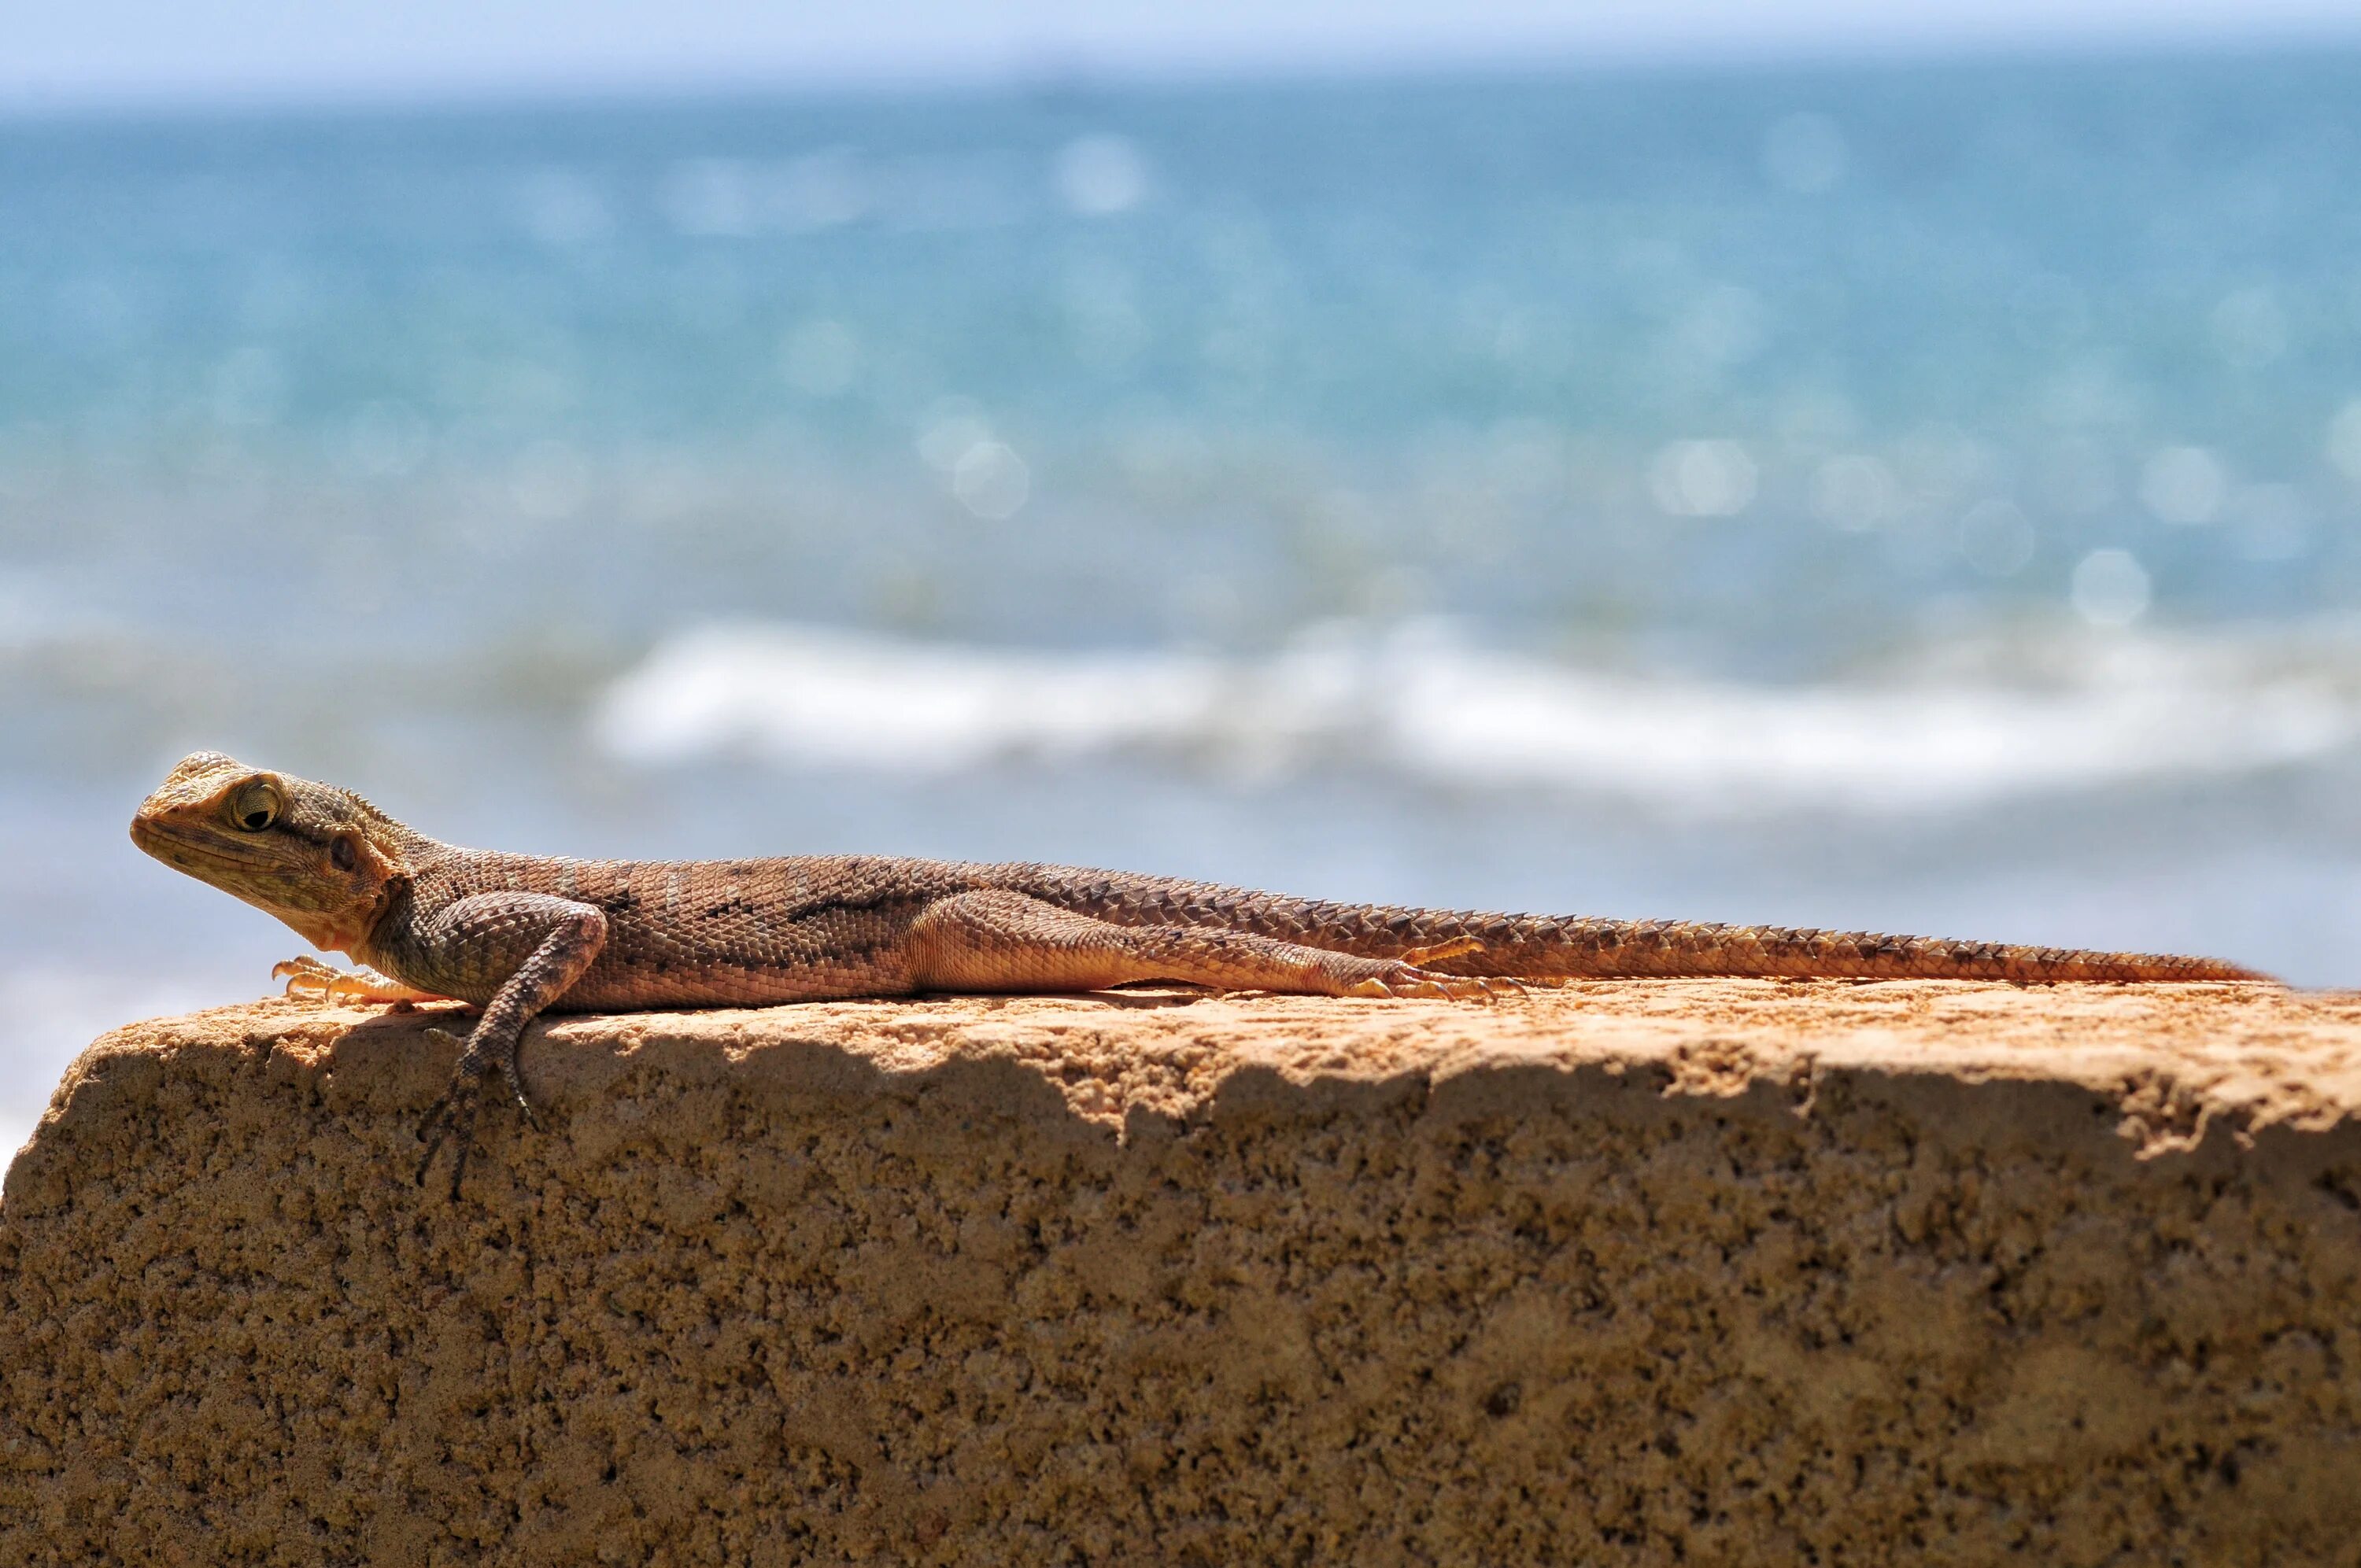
1914	496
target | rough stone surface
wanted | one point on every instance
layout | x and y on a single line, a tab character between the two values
1705	1272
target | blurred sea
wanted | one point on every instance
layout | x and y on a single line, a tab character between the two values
1916	497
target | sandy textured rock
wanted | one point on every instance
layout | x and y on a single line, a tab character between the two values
1728	1272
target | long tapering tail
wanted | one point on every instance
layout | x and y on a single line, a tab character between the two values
1548	947
1544	947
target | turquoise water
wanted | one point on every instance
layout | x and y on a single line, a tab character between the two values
1907	495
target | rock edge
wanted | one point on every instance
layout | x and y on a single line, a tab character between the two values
1733	1271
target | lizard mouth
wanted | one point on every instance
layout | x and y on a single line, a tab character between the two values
155	839
186	850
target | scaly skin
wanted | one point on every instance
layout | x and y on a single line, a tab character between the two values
520	935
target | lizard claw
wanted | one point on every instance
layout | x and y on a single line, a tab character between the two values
453	1116
1405	980
1412	975
431	1132
329	985
305	976
445	1121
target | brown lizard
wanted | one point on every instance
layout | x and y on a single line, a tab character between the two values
519	934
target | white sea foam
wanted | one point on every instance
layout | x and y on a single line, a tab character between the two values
1965	725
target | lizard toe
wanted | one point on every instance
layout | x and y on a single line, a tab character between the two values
1406	981
305	976
459	1160
452	1118
450	1122
431	1132
329	985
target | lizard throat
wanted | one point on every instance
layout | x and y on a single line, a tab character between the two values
346	931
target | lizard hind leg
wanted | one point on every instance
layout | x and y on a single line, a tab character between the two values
1002	940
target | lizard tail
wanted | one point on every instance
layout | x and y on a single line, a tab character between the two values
1548	947
1539	948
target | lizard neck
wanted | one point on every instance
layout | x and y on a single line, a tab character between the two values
375	932
357	939
392	855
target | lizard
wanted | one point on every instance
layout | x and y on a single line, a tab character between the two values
519	934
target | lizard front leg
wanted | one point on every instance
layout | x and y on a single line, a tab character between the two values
530	946
1000	941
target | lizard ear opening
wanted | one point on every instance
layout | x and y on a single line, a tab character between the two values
353	850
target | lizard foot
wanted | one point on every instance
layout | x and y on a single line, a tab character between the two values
453	1117
329	985
1404	980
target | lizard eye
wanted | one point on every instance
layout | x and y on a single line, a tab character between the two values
256	805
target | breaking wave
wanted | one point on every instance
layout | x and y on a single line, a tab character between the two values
1961	726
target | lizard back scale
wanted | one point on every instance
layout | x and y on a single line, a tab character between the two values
520	935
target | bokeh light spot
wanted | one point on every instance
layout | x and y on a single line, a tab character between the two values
991	480
1702	478
952	429
2110	589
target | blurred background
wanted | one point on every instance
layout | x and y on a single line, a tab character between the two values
1784	462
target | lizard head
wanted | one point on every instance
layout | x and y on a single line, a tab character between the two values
319	858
